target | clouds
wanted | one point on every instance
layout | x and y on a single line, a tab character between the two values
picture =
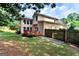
28	13
60	11
64	9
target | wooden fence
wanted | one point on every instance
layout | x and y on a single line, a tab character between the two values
72	37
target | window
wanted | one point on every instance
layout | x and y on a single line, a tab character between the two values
30	28
36	28
30	22
36	18
27	21
24	28
24	21
27	28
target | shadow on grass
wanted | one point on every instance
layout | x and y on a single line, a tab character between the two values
11	48
39	47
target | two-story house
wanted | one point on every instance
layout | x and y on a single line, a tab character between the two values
26	24
42	22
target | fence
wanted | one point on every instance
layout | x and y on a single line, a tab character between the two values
72	37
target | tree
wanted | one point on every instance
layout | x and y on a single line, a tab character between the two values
64	20
37	6
73	16
70	20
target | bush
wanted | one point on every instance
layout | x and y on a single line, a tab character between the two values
18	32
30	35
1	31
14	25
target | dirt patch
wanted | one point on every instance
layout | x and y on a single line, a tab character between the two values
11	48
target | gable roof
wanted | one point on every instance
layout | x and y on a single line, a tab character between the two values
45	16
25	19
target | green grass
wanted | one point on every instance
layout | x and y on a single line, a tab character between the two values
9	36
37	46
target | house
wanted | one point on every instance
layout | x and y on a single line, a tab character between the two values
26	24
42	22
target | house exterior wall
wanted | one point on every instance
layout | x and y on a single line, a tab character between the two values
41	18
24	25
40	27
44	25
52	26
34	20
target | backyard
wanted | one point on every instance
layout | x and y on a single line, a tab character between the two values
14	44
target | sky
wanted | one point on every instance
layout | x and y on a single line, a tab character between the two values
60	11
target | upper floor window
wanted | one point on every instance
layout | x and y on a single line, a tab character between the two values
36	18
27	21
24	21
30	22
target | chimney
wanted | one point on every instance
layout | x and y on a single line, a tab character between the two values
37	11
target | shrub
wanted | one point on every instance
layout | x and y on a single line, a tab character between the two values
18	32
14	25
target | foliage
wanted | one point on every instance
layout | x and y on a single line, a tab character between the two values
8	13
37	6
6	29
71	29
71	21
14	25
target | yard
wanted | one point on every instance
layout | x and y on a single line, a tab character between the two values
14	44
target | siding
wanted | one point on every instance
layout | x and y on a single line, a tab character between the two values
24	25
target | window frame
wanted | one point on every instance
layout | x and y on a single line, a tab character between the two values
36	17
24	21
27	28
24	28
30	28
28	22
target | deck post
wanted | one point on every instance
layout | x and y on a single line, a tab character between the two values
66	35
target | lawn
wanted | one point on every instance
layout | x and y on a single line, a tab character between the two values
36	46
